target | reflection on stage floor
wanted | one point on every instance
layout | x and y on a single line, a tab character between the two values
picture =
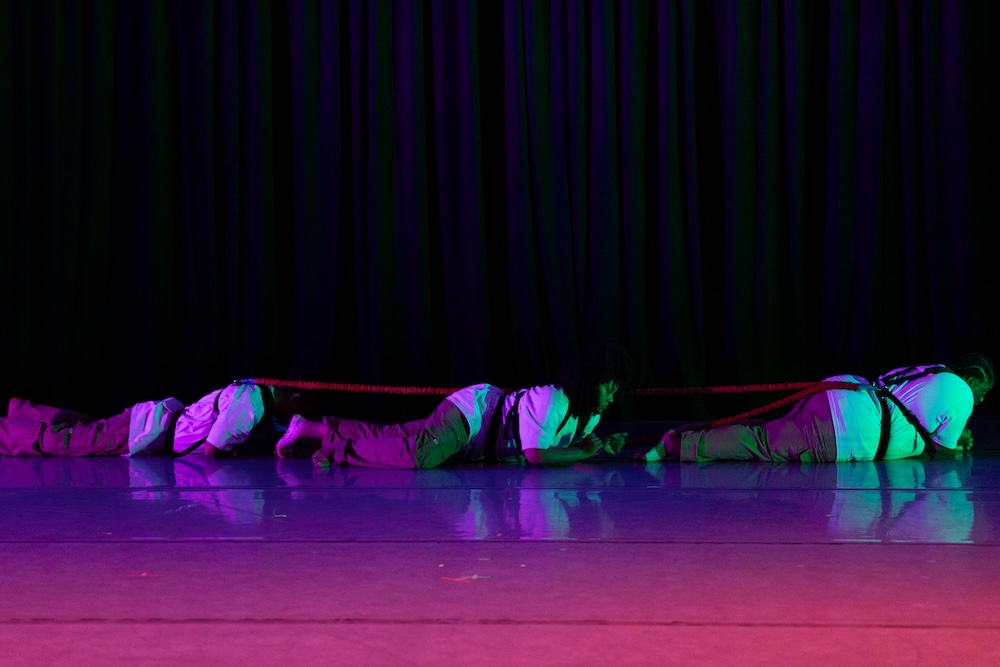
256	560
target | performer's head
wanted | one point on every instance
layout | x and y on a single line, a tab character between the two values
977	371
593	377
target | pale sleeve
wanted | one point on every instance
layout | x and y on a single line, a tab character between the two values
948	407
591	425
542	410
237	416
950	422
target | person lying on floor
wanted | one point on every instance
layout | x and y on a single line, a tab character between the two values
219	422
545	425
904	413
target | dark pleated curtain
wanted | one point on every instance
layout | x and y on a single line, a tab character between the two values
440	193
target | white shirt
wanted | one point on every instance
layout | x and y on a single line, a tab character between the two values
543	422
477	403
942	403
240	409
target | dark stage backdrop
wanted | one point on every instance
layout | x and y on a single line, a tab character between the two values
446	192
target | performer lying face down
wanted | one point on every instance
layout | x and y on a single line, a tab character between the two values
904	413
546	425
219	423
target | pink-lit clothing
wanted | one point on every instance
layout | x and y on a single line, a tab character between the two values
455	431
425	443
804	434
33	429
844	424
477	404
942	402
460	429
542	421
223	418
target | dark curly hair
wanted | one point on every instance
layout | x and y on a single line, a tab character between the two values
973	365
596	365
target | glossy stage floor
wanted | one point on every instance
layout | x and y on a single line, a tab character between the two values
255	561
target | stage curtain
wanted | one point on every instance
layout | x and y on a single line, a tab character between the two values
447	192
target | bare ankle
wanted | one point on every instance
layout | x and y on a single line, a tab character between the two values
672	443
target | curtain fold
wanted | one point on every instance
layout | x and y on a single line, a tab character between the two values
441	193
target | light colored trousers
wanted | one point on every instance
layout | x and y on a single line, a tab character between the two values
805	434
425	443
33	429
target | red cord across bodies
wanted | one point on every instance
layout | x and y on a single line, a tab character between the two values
741	388
810	389
804	389
807	389
359	388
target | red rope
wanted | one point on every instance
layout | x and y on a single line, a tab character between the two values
806	387
722	389
361	388
809	388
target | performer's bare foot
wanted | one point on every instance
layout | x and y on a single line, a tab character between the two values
669	446
298	428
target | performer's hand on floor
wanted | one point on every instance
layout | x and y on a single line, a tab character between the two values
965	440
615	443
591	444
